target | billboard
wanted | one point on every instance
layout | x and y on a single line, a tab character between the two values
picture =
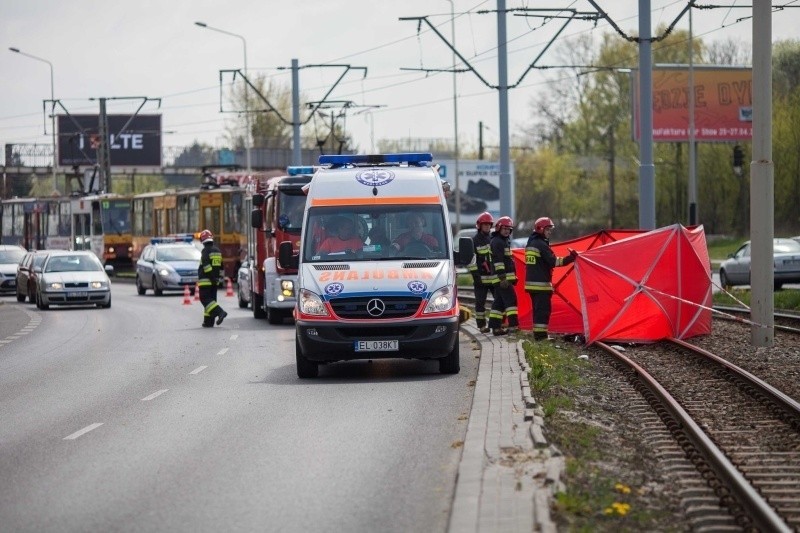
722	110
139	144
479	183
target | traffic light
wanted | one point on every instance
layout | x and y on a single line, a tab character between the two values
738	157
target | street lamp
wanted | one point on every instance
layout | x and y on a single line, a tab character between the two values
246	92
52	109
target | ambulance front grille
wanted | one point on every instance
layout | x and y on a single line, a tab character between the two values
426	264
395	307
339	266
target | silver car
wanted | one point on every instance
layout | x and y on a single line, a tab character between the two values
167	266
10	256
786	260
73	278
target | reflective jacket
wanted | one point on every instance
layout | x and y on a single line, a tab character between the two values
483	269
540	262
208	273
503	259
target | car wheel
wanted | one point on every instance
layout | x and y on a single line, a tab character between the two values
258	305
157	290
451	363
20	297
40	304
242	302
723	279
305	368
140	290
106	305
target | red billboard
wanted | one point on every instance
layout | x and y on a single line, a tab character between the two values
723	103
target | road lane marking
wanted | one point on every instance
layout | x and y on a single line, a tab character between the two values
154	395
234	337
223	351
198	369
83	431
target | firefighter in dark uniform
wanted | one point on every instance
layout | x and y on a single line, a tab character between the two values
208	274
539	264
483	278
505	298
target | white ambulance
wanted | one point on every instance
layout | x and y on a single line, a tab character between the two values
377	270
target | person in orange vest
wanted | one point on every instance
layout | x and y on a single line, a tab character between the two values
208	274
539	264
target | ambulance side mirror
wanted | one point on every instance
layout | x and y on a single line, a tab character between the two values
256	218
466	251
285	257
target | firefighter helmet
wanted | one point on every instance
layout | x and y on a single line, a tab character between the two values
542	223
504	222
484	218
206	236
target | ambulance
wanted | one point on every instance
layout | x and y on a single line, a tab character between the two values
376	269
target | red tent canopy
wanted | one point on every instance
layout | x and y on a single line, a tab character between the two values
566	316
645	287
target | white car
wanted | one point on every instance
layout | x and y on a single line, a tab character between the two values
10	256
73	278
786	260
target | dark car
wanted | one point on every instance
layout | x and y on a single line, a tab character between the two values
10	256
27	276
167	266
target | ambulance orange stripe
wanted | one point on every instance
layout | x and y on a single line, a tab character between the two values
382	200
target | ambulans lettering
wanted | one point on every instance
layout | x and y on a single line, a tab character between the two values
353	275
375	177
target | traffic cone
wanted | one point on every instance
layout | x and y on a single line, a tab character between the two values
187	298
229	290
196	292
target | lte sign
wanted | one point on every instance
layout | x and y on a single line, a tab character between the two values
138	144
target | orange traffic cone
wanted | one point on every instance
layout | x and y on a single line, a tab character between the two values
186	296
229	290
196	292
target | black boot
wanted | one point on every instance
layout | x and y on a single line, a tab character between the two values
221	316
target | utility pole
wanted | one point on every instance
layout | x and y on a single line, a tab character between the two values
104	149
480	140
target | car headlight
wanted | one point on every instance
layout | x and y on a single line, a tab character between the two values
56	286
441	300
164	271
98	284
287	287
311	304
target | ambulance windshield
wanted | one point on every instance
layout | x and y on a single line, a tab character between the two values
369	233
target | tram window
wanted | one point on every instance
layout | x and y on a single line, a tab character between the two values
211	219
233	208
7	218
97	219
19	221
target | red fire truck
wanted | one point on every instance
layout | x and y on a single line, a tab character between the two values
277	215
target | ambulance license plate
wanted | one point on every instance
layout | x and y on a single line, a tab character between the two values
377	346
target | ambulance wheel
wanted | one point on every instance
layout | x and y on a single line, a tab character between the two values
242	302
451	364
258	305
305	368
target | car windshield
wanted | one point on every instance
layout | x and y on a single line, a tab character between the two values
73	263
38	259
178	253
8	257
368	233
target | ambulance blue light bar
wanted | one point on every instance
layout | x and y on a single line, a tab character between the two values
299	171
416	159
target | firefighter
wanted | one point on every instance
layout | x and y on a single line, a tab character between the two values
505	298
482	270
208	274
539	264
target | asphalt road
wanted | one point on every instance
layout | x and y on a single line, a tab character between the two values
135	418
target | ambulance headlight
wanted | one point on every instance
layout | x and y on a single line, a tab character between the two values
441	300
311	304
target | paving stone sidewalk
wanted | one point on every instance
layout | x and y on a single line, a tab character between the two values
508	473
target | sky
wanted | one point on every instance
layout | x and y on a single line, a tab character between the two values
153	49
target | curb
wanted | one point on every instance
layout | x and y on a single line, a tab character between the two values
508	473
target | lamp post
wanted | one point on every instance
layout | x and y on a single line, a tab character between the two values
52	109
456	181
246	91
